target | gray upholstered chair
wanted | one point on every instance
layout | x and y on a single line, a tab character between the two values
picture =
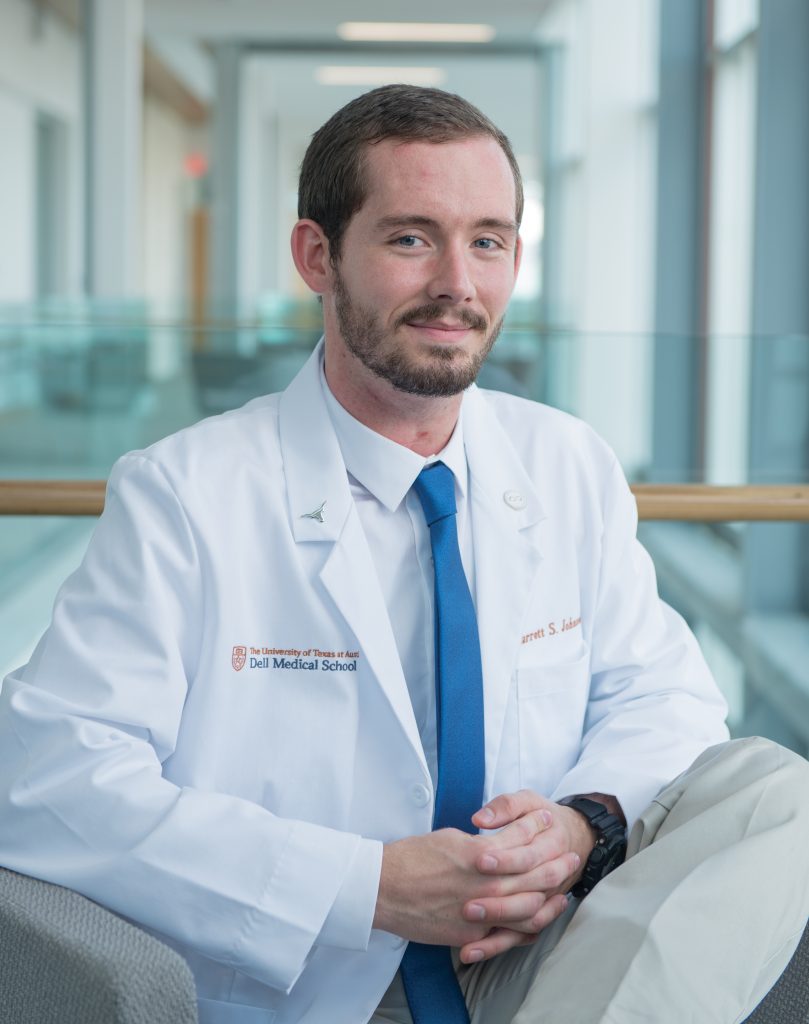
66	960
787	1002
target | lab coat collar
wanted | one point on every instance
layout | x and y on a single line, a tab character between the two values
317	480
313	465
496	469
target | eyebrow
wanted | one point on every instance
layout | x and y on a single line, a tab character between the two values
399	220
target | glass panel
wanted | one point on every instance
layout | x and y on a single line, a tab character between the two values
82	382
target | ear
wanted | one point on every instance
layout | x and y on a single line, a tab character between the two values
310	251
517	256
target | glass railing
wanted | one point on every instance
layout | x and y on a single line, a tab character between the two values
81	383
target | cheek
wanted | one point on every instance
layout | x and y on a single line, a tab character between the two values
383	288
495	291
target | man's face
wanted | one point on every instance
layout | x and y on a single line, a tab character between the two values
428	264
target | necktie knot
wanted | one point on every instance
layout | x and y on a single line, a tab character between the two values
435	486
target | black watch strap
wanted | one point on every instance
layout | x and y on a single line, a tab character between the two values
609	851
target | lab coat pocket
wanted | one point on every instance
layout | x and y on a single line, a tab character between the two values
552	701
216	1011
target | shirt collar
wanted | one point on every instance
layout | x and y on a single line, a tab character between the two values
384	468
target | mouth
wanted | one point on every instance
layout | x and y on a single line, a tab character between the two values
440	333
441	330
438	324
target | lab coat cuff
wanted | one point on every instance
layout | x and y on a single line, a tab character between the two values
304	882
351	917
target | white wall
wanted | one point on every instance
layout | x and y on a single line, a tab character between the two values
39	70
167	195
731	246
608	153
166	192
17	199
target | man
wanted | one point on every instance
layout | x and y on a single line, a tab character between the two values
238	730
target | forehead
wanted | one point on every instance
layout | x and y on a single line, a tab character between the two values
470	174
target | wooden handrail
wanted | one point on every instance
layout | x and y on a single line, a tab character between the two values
703	503
52	497
686	502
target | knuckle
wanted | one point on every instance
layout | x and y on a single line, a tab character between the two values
519	860
538	901
491	887
499	911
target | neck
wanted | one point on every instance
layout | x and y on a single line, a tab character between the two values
422	424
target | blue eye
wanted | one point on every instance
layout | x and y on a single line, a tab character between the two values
485	243
408	241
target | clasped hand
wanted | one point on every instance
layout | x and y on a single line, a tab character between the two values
490	892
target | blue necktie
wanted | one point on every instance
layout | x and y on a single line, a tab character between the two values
427	972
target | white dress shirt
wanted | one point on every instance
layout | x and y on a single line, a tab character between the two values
381	474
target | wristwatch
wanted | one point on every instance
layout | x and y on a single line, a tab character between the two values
610	848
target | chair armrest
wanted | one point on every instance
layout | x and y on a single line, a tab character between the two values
67	960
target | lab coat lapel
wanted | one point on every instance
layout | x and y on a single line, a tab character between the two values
507	557
315	473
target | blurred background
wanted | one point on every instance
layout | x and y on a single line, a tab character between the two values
149	152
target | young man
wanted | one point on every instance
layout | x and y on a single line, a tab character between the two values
310	705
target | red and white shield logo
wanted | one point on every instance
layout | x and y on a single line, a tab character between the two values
239	657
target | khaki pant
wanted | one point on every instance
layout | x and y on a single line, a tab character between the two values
696	926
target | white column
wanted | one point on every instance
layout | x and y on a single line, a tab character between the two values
113	88
225	261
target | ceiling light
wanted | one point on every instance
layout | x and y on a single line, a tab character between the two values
343	74
415	32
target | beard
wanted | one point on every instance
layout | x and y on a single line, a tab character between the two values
440	372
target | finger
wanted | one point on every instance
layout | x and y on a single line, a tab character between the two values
520	846
500	939
552	876
519	832
505	911
508	807
496	942
543	865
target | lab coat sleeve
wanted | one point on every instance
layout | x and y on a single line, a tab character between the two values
653	704
85	728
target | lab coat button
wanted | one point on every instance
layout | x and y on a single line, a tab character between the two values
420	795
514	500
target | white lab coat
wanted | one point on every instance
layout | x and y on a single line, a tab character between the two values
222	808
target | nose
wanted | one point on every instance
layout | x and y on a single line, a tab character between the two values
452	280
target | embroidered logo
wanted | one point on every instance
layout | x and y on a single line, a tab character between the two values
296	659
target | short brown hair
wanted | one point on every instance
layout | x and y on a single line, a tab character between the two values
333	184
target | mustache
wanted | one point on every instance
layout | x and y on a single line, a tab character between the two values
435	311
